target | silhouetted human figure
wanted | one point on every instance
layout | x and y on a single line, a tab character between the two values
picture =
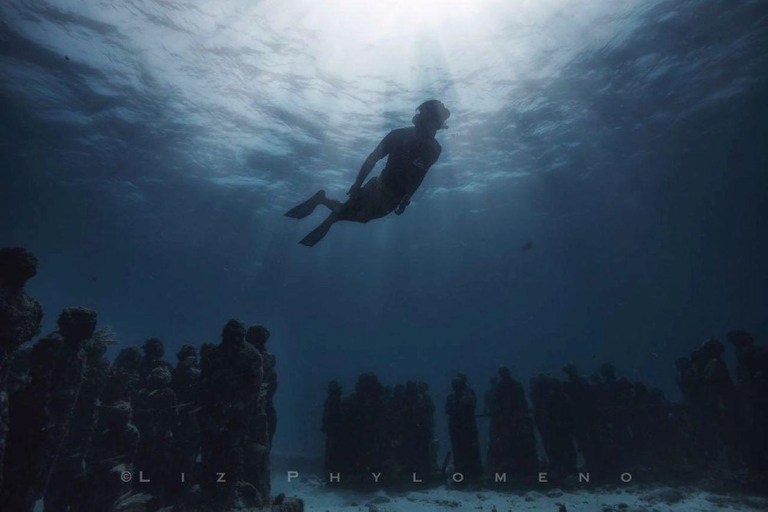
154	350
655	442
156	418
512	440
582	397
264	422
712	401
67	483
395	453
462	428
185	377
123	382
412	151
20	318
364	413
426	445
427	408
617	396
258	335
333	424
185	383
40	415
19	371
554	418
205	351
613	397
723	402
111	454
688	381
752	379
231	380
416	430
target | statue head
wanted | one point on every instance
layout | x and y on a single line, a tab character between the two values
77	324
185	352
153	348
233	334
257	336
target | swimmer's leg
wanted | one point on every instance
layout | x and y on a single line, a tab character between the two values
332	204
307	207
320	231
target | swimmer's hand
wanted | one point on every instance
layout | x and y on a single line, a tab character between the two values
401	207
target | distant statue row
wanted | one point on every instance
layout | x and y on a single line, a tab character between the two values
380	430
140	434
602	425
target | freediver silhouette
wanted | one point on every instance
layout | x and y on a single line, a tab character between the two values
412	151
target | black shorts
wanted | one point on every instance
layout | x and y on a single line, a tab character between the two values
375	200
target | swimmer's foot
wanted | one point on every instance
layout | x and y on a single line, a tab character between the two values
307	207
319	232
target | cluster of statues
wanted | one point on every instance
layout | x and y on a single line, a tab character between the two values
140	433
729	417
82	434
602	425
379	430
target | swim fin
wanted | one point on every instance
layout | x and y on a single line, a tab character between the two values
307	207
319	232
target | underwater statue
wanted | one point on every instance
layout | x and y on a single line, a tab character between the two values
512	437
412	151
462	428
20	319
67	483
41	413
232	417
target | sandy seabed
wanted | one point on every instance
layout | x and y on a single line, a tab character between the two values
318	498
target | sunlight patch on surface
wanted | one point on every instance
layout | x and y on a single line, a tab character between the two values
405	15
243	85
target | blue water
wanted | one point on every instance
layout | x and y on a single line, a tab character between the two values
148	150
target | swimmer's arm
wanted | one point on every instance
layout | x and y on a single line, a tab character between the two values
377	154
406	200
403	203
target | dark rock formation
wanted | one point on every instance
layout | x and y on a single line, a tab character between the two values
20	318
462	427
41	413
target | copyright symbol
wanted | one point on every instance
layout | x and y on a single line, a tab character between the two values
126	476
